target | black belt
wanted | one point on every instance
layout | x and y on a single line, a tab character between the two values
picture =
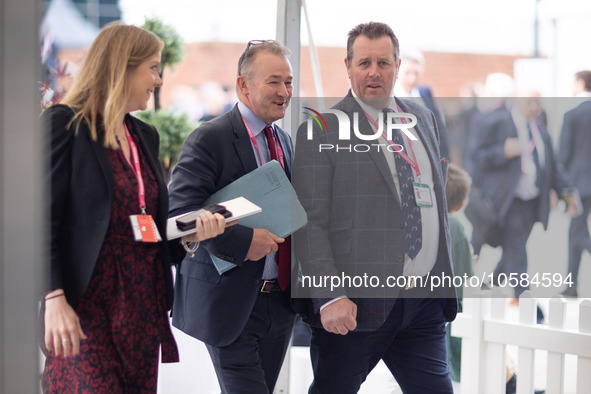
269	286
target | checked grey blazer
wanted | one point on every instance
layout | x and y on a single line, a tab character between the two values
355	223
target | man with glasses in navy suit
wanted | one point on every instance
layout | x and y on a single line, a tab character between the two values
244	315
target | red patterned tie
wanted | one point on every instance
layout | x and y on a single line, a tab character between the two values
283	255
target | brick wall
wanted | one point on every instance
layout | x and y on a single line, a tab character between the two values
447	72
204	61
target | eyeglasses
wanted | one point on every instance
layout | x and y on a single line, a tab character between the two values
250	43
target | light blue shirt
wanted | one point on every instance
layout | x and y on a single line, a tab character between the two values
256	125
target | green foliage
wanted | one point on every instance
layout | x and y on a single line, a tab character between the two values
173	52
174	129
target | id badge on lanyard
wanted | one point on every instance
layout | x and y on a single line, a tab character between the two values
422	191
422	194
143	226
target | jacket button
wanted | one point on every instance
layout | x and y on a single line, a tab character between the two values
399	258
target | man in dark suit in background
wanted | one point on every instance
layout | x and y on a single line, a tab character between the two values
515	166
365	220
412	66
574	154
243	315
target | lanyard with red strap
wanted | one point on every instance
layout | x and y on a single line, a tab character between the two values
137	169
413	163
256	145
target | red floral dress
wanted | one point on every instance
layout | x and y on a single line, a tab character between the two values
123	311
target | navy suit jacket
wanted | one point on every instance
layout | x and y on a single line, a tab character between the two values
498	176
208	306
355	222
81	197
427	96
575	147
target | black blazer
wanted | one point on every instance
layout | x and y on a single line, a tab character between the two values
427	96
208	306
81	194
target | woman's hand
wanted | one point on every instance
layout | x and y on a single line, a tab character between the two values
62	327
208	226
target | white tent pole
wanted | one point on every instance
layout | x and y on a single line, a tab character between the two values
314	59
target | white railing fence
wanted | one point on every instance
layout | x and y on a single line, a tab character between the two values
486	333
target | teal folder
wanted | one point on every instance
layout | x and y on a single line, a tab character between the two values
269	188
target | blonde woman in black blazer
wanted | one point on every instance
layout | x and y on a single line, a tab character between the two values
105	315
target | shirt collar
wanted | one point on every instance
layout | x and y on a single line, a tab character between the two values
371	111
254	122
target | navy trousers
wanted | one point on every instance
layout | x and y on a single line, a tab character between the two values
411	342
251	364
519	221
578	240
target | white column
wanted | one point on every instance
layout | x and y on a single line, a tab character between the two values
22	196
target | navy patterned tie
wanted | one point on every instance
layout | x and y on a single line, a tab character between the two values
413	228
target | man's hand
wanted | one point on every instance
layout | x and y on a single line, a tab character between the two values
513	148
340	317
263	243
574	207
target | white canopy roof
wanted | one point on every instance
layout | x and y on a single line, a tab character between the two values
68	27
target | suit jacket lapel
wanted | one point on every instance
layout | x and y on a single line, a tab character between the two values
102	156
427	139
352	106
285	144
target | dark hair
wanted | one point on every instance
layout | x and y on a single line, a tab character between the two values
371	30
585	76
457	188
256	46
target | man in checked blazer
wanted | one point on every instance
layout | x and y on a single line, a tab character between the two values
351	191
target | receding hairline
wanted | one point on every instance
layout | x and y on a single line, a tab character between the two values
248	71
248	57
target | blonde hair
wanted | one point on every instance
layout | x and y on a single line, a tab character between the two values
101	89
